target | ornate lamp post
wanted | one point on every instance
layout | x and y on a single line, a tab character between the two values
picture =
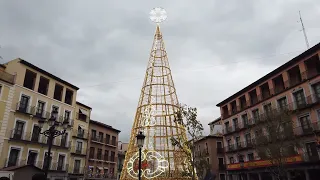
140	141
51	133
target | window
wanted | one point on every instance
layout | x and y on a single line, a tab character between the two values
29	79
208	161
112	156
82	115
245	119
106	154
250	157
231	160
24	103
240	158
40	109
229	142
64	140
99	153
93	134
79	147
35	133
76	169
80	132
55	108
43	85
235	123
299	98
60	162
316	89
68	97
18	131
100	137
46	159
238	141
248	139
13	157
267	108
305	123
282	103
91	154
107	139
255	114
67	115
227	127
220	160
113	140
32	157
58	92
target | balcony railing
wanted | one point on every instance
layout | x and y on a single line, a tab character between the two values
54	166
311	128
230	148
76	170
78	151
7	77
33	110
83	134
15	135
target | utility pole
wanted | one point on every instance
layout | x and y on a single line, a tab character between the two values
304	31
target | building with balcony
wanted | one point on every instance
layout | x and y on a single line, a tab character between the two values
35	94
122	150
6	96
292	87
80	136
102	158
211	148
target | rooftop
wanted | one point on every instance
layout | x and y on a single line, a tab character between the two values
104	125
83	105
296	59
209	136
212	122
26	63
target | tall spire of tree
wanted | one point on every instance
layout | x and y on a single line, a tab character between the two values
155	117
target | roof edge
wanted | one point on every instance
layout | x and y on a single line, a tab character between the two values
83	105
26	63
104	125
306	53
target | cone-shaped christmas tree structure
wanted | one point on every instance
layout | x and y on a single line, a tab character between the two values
155	118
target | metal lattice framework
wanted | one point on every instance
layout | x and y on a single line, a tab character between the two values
155	117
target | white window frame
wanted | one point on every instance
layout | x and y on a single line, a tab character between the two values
24	127
20	153
65	159
44	155
38	154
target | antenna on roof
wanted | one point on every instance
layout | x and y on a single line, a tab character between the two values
304	31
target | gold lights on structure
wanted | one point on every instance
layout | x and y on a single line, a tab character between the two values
154	117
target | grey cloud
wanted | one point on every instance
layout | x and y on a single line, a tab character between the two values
215	48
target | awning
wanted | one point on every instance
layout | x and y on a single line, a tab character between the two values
83	111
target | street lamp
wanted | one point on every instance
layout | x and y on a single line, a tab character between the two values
140	141
51	133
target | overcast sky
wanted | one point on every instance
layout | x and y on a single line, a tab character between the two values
215	48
